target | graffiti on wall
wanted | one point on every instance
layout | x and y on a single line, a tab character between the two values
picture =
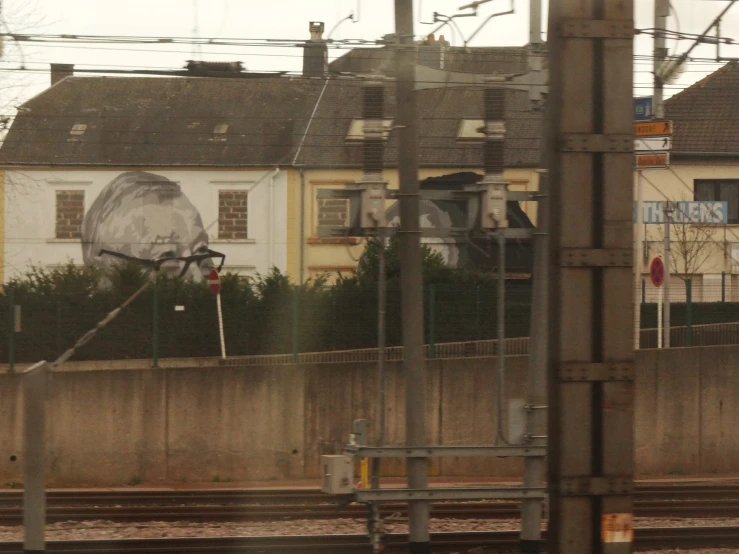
462	251
145	216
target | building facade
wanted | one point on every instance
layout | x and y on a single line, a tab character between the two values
151	168
705	168
57	216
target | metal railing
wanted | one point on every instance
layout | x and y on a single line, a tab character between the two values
518	346
713	334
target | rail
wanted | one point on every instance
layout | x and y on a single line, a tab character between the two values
713	334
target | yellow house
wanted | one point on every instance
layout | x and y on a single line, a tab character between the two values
2	226
704	167
449	143
320	255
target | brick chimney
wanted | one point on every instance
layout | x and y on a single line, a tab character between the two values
61	70
431	52
315	52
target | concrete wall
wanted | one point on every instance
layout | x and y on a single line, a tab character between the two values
109	426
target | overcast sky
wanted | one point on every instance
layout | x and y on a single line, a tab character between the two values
286	19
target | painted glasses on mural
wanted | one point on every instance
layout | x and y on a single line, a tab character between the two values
147	218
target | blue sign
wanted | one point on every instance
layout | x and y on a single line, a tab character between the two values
643	109
706	213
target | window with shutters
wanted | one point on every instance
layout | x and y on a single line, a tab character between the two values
70	210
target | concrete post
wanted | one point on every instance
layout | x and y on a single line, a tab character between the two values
34	458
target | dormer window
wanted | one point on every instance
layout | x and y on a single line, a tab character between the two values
356	129
219	132
78	129
471	130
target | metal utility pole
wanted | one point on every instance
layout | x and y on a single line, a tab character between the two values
591	391
668	209
373	210
494	214
638	258
410	273
381	340
501	301
533	473
661	12
535	22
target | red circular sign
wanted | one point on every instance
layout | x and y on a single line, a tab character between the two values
214	281
657	272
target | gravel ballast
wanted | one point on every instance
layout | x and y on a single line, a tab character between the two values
108	530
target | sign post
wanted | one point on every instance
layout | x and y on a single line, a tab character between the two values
214	281
657	276
638	257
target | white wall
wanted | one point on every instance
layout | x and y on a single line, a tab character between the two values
677	183
30	213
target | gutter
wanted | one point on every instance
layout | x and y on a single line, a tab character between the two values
707	154
301	232
270	219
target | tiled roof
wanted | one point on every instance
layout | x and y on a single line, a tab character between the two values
440	112
161	121
486	60
171	121
706	115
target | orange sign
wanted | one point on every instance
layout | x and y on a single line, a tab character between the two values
646	161
617	528
652	128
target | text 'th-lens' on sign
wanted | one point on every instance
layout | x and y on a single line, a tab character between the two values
703	213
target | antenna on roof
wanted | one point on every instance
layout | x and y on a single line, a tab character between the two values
196	50
349	17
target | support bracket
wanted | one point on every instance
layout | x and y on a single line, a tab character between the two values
584	142
597	28
596	257
596	486
584	371
434	451
439	493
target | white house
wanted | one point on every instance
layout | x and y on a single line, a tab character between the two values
152	168
241	212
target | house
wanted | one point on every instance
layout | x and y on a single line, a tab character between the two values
175	167
449	143
704	166
210	153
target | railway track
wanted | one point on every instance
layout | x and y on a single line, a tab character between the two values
501	541
695	501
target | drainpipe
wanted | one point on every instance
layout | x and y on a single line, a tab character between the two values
270	220
301	232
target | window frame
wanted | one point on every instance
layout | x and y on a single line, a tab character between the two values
55	185
239	185
716	183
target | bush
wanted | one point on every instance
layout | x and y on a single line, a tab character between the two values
261	315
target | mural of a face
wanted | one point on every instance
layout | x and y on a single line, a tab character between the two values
433	217
146	216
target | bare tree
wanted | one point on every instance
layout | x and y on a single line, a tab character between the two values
690	247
